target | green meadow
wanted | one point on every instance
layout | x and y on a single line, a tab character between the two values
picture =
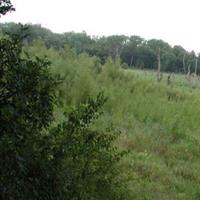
158	124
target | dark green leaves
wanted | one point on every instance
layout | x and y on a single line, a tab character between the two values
26	109
86	157
5	6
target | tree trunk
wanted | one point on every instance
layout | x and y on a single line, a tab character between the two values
196	66
188	74
184	71
159	67
131	61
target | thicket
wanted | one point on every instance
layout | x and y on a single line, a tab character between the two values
159	126
69	159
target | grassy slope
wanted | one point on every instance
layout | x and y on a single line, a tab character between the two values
162	135
165	143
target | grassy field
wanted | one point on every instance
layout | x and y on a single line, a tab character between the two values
164	141
159	124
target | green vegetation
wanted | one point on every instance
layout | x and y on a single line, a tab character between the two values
68	159
134	51
159	123
76	128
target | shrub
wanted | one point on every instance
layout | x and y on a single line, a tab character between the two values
69	161
26	110
86	158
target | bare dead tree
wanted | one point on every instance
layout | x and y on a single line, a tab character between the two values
159	76
131	61
196	66
184	70
188	77
188	73
192	77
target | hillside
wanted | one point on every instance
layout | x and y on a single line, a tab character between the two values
96	118
159	123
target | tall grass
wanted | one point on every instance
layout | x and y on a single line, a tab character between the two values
159	125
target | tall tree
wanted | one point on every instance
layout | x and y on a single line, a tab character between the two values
5	6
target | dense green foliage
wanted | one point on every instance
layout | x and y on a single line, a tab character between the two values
69	159
160	133
134	51
5	6
26	107
86	158
54	141
66	161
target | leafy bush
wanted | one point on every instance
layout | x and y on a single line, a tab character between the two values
5	6
69	161
26	110
85	157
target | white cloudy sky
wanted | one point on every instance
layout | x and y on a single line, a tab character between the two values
175	21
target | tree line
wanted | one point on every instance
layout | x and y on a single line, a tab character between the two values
134	51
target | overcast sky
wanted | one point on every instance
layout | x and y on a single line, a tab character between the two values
175	21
